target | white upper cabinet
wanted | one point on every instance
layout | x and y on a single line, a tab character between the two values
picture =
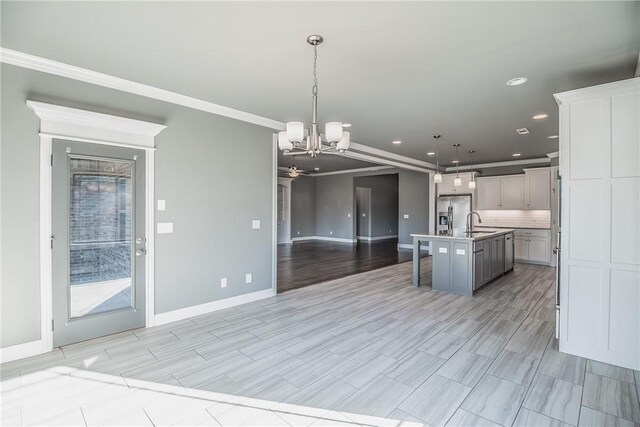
529	191
501	192
488	193
447	187
512	192
537	188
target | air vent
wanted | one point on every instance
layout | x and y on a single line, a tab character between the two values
523	131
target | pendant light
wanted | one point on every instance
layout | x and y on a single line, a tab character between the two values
457	182
472	183
437	178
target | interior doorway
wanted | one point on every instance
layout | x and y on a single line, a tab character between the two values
363	213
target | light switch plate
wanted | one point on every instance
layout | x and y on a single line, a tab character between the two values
165	227
161	204
255	224
405	216
248	278
349	215
223	282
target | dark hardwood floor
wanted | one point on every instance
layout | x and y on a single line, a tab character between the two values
307	263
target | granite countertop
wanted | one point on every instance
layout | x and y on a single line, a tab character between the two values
482	235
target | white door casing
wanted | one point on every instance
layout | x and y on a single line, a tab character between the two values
96	128
283	212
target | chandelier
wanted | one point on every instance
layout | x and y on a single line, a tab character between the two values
297	140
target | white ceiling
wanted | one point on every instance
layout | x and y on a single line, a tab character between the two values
395	70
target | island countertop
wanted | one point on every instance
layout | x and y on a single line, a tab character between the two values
475	234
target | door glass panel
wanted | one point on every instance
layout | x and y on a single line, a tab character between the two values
100	246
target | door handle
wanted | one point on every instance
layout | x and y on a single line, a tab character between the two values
141	252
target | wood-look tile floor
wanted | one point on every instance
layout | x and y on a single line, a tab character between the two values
363	350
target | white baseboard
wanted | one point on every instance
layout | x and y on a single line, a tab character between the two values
20	351
376	238
409	246
324	239
197	310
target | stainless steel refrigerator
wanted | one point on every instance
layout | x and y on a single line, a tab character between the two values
452	213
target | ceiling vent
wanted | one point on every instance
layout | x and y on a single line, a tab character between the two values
523	131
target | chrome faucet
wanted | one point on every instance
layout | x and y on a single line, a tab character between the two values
469	215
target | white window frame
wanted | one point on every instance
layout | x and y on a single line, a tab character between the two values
58	122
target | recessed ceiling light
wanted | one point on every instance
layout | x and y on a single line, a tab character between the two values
516	155
540	116
316	169
397	142
455	162
431	153
522	131
517	81
346	125
552	137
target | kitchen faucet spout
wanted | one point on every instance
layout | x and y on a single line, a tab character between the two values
469	215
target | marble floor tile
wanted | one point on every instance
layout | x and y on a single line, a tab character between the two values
618	398
436	400
495	399
555	398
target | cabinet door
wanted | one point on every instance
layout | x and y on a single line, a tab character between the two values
461	276
539	249
488	261
488	193
520	248
537	189
497	253
512	192
446	186
478	267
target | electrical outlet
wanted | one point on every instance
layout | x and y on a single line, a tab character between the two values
349	215
298	232
223	282
248	278
255	224
331	233
161	205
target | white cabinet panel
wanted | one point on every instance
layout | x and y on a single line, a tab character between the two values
625	135
537	189
488	193
512	192
447	187
588	130
539	249
584	317
625	228
521	248
586	222
623	312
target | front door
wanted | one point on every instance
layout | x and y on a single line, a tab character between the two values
98	240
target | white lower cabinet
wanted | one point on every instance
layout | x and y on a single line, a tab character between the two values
531	245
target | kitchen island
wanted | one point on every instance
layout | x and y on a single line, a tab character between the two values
465	261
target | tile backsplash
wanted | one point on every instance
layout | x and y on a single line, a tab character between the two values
523	219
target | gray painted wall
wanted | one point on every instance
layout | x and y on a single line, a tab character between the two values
384	202
335	199
413	199
303	207
210	204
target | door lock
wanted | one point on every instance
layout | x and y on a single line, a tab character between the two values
141	252
140	240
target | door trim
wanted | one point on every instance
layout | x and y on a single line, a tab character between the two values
287	183
95	128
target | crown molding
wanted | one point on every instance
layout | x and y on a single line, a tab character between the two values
500	164
32	62
61	121
369	169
